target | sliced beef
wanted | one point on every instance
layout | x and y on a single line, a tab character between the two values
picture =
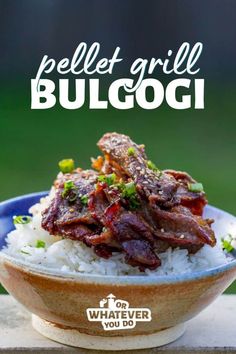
163	196
192	200
165	213
122	228
67	215
116	148
140	253
182	229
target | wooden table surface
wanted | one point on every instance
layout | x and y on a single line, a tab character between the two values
213	331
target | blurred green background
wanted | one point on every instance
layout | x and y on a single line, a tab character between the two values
202	142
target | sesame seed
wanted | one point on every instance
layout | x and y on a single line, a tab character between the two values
162	230
71	210
138	168
182	236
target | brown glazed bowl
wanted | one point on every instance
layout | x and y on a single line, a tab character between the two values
160	304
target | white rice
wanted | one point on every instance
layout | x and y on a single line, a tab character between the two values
72	256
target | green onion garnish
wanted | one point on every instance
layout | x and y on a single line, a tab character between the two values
69	192
128	189
195	187
227	244
131	151
152	166
101	178
128	192
108	179
40	244
24	252
66	165
21	219
84	199
68	185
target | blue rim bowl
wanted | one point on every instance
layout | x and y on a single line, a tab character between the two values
224	223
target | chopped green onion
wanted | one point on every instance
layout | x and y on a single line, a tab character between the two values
152	166
21	219
102	178
195	187
130	194
84	199
128	189
108	179
131	151
66	165
24	252
69	191
68	185
111	179
40	244
227	244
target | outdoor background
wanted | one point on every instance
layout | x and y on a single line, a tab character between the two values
202	142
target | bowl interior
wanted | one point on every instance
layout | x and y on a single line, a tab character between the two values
15	206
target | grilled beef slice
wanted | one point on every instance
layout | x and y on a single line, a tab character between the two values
165	213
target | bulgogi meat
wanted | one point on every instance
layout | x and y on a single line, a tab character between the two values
128	205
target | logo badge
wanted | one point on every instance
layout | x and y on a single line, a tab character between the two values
116	314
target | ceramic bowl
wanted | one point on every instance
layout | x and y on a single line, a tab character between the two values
144	311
